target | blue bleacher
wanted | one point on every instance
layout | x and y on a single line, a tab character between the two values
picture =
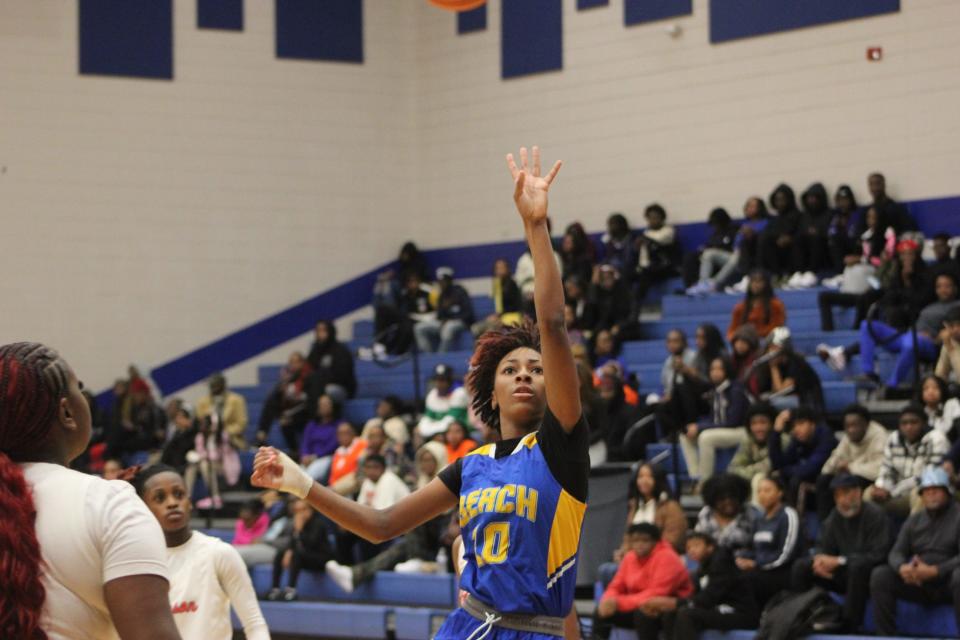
326	619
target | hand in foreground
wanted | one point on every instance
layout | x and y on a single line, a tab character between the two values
530	190
607	607
274	469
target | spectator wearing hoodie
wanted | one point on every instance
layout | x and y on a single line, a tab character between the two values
859	454
723	426
776	543
658	251
700	268
799	464
843	234
723	599
744	350
752	459
618	247
777	253
577	253
786	378
332	364
896	213
445	404
651	569
608	302
909	450
454	316
810	248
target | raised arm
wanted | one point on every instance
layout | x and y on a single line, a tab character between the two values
559	370
273	469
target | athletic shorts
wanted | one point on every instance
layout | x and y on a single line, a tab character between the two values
460	624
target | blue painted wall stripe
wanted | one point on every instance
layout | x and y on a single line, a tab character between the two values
473	20
320	30
126	38
733	19
220	14
640	11
532	37
471	261
590	4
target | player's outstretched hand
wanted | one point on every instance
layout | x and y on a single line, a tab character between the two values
273	469
529	188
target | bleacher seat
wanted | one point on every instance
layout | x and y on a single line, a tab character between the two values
417	623
325	619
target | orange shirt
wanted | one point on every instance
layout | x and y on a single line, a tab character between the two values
454	454
345	460
778	317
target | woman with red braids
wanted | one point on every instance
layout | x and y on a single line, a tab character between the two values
81	558
521	500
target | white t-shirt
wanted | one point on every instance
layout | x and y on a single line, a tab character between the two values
384	493
207	575
91	531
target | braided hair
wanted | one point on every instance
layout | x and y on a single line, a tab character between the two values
33	379
492	347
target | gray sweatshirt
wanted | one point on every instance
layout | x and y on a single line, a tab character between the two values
935	538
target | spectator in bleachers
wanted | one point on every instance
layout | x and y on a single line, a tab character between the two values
843	234
181	441
949	361
577	253
396	310
924	564
648	500
575	296
799	464
412	261
320	438
142	428
943	411
893	211
381	488
575	331
787	380
507	301
458	441
523	274
395	454
618	247
251	525
287	402
700	268
677	407
909	450
454	315
431	458
213	456
230	407
723	425
746	248
777	255
332	364
854	539
258	543
929	323
346	460
942	261
112	469
776	543
811	247
726	516
658	251
389	417
744	350
619	422
752	459
608	302
859	454
859	268
308	548
651	570
723	598
444	404
606	350
761	308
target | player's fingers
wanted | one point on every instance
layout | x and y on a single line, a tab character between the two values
512	166
523	158
518	188
536	161
553	172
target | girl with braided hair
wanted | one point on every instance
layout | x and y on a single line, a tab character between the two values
521	500
81	558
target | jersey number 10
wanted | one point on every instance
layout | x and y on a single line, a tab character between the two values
495	545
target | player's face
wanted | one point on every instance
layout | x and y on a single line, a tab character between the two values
518	390
166	497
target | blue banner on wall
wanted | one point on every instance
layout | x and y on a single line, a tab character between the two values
220	14
473	20
734	19
126	38
590	4
320	30
532	38
640	11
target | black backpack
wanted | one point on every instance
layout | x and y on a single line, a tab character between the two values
790	615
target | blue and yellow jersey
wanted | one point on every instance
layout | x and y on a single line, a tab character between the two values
522	504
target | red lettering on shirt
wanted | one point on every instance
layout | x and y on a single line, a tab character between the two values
184	607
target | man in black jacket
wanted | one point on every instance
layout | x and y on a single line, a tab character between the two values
454	316
722	600
332	365
924	564
855	538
